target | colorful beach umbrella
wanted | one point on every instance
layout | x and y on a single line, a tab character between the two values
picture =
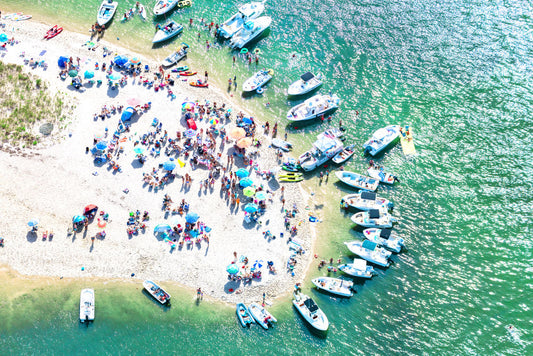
133	101
251	208
88	74
214	121
169	166
246	182
73	73
189	133
135	61
3	38
188	105
191	218
237	133
33	222
261	195
242	173
78	218
101	145
139	150
232	269
162	228
249	191
244	142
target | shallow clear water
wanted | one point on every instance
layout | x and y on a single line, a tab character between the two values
460	74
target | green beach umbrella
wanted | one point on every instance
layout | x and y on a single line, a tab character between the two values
73	73
249	191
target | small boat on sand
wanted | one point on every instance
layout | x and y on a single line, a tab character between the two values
307	83
166	32
282	145
373	218
157	292
261	315
335	286
385	238
54	31
106	12
187	73
246	12
358	268
87	305
364	200
199	84
245	318
344	155
381	139
357	180
310	311
313	107
256	81
175	57
370	251
163	6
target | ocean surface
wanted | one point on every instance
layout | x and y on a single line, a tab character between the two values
460	73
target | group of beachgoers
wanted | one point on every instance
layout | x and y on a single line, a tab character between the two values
136	222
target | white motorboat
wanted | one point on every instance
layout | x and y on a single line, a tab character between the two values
385	238
281	144
307	83
313	107
357	180
261	315
163	6
370	251
87	305
323	149
157	292
163	33
335	286
250	31
256	81
382	139
142	11
379	174
344	155
310	312
364	200
236	22
175	57
358	268
106	11
373	218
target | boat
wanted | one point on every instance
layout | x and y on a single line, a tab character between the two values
54	31
21	17
163	6
106	11
184	3
86	305
382	176
256	81
250	31
381	139
141	10
333	132
157	292
406	139
187	73
310	311
180	69
335	286
261	315
364	200
163	33
373	218
175	57
291	165
244	315
323	150
236	22
358	181
290	177
358	268
11	16
385	238
313	107
282	145
370	251
199	84
307	83
344	155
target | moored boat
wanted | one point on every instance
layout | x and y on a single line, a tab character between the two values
310	311
313	107
256	81
373	218
141	10
358	268
106	12
335	286
358	181
157	292
250	31
385	238
370	251
261	315
87	305
364	200
381	139
307	83
236	22
166	32
175	57
163	6
380	174
244	316
344	155
323	150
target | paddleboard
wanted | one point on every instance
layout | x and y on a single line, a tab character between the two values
408	146
21	18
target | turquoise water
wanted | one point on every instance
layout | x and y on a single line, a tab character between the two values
460	74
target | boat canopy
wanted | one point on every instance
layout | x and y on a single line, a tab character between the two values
325	143
310	304
369	245
359	264
373	214
307	76
385	233
368	195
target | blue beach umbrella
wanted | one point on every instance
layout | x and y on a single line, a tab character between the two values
168	166
120	60
189	133
88	74
245	182
261	195
33	222
191	218
242	173
78	218
232	269
251	208
139	150
102	145
3	38
162	228
247	121
62	62
258	264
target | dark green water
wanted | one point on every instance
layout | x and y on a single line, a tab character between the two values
460	73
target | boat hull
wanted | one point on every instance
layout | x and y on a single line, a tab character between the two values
157	292
334	286
87	305
357	180
244	316
319	323
106	11
162	7
261	315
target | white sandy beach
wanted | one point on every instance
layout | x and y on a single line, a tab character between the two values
55	181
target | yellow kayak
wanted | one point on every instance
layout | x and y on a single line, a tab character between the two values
406	139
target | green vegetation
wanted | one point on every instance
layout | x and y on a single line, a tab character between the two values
24	103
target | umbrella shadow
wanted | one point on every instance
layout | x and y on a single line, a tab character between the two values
136	164
112	93
31	236
233	285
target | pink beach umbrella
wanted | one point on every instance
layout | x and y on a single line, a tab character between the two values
244	142
237	133
133	102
